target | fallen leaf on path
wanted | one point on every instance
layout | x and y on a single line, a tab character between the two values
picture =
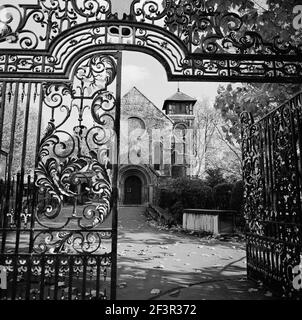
142	253
155	291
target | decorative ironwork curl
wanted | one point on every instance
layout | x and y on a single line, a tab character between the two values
271	159
76	242
78	164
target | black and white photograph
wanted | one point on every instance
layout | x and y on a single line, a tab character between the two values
150	153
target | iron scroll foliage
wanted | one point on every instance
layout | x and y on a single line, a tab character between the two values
69	159
194	39
66	242
273	185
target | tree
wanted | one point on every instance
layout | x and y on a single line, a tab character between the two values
214	177
273	22
206	119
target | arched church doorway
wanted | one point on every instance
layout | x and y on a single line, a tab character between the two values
133	190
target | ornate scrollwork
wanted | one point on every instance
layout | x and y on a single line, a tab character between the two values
199	26
181	32
74	167
77	242
271	158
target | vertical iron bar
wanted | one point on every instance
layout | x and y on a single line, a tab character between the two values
71	261
15	262
55	293
9	165
97	288
21	184
7	205
84	257
294	141
34	188
2	108
116	177
42	279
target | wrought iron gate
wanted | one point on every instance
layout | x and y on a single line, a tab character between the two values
59	153
273	196
59	182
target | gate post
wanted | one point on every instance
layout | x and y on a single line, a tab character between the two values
115	178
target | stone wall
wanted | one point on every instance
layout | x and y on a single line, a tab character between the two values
158	126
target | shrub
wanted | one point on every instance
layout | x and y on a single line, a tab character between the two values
197	197
167	197
176	211
194	194
236	202
222	195
214	177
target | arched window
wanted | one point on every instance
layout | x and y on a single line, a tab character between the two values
158	154
136	129
179	144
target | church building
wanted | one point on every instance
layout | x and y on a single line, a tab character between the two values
153	144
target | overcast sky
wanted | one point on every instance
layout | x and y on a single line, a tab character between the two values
149	76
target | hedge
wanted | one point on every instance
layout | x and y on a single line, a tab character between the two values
236	202
222	195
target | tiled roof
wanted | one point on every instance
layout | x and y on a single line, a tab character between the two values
179	96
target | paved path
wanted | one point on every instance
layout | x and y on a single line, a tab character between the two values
154	263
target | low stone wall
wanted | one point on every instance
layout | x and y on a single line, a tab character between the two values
212	221
160	215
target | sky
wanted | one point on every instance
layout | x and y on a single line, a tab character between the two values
149	76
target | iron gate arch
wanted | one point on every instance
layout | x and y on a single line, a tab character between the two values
40	46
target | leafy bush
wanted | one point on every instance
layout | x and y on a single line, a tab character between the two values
176	211
185	193
214	177
167	197
222	195
236	202
197	198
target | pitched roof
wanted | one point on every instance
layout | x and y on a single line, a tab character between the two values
134	89
179	96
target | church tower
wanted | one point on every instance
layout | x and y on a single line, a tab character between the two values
180	108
